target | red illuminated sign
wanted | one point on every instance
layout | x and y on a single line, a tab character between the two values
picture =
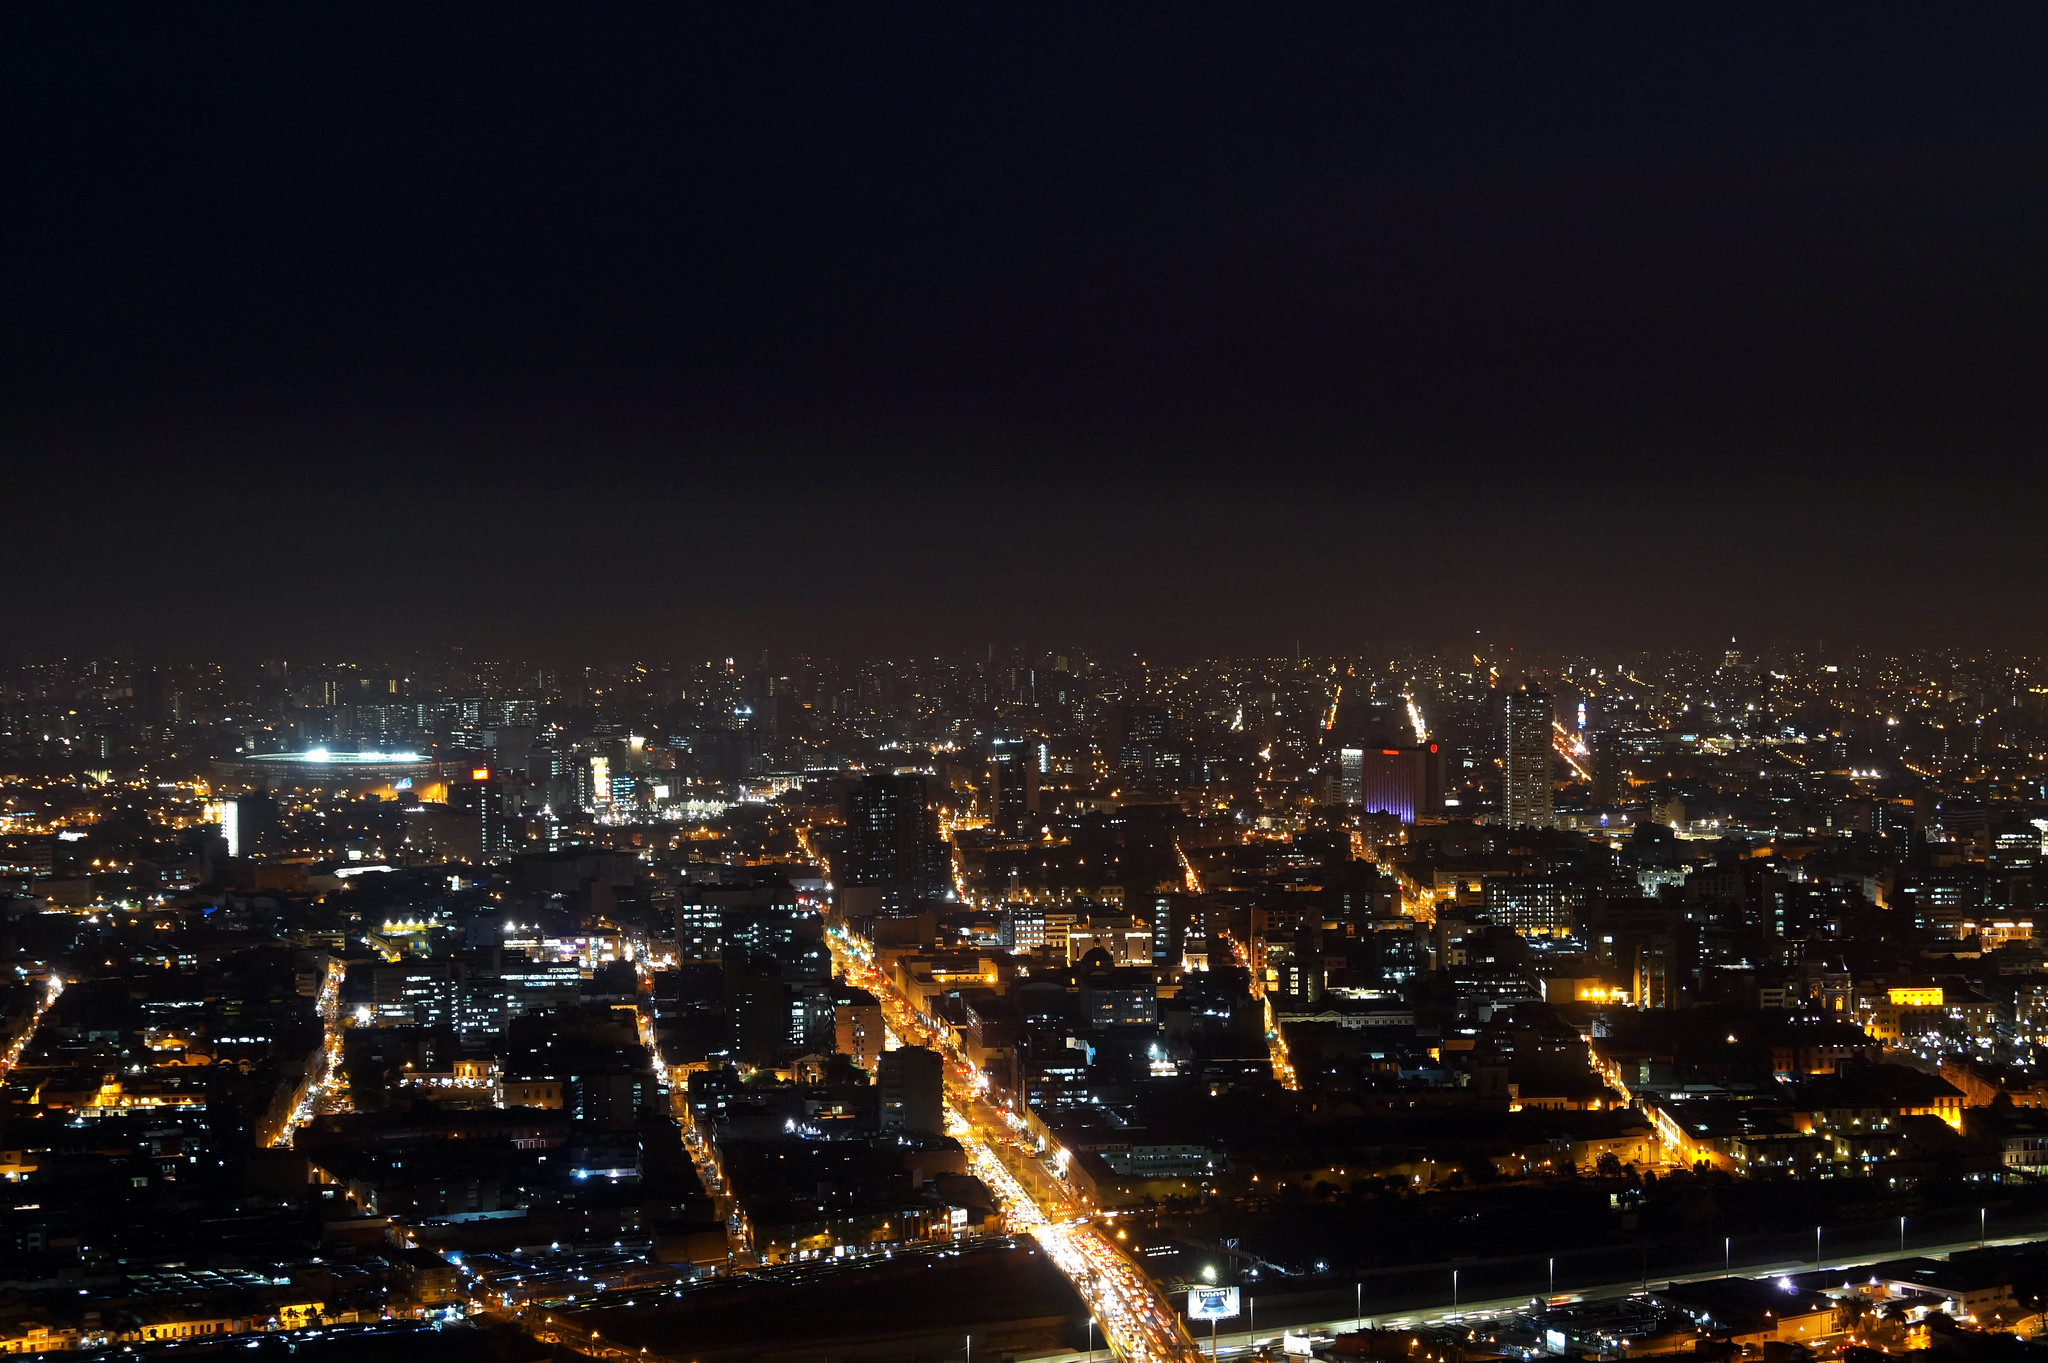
480	774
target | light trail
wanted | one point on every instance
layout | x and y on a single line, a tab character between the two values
697	1143
1187	869
52	987
1137	1322
1276	1040
1569	747
1415	717
322	1092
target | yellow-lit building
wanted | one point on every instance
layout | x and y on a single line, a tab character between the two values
542	1093
174	1324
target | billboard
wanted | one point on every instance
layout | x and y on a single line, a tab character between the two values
1212	1303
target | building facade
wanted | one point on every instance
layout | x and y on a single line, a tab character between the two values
1525	766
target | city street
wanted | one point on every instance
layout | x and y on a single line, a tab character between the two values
1136	1321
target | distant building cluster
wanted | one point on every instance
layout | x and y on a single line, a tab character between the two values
454	988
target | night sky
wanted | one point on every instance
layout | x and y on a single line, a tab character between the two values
679	331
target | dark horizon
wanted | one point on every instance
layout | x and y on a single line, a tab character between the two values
1188	330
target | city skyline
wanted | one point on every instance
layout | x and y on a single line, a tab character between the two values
1117	994
1037	684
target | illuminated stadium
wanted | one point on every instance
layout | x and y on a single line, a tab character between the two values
386	773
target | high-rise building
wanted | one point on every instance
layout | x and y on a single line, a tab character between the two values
857	1027
481	797
1610	768
1298	971
1350	773
771	924
1525	766
254	830
695	923
1142	739
1534	906
893	841
812	1020
1402	781
228	815
1170	914
913	1090
1013	783
594	784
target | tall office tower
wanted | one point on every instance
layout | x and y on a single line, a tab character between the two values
594	784
482	798
1013	782
1166	926
893	842
771	925
1525	772
1610	768
1142	733
254	830
1350	774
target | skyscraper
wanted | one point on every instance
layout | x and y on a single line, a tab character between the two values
1142	732
893	841
482	798
1610	770
1013	783
1525	769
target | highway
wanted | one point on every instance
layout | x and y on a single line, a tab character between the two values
1476	1314
1137	1322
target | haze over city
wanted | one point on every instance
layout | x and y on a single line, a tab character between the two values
796	684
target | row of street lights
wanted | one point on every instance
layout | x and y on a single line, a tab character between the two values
1727	1264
